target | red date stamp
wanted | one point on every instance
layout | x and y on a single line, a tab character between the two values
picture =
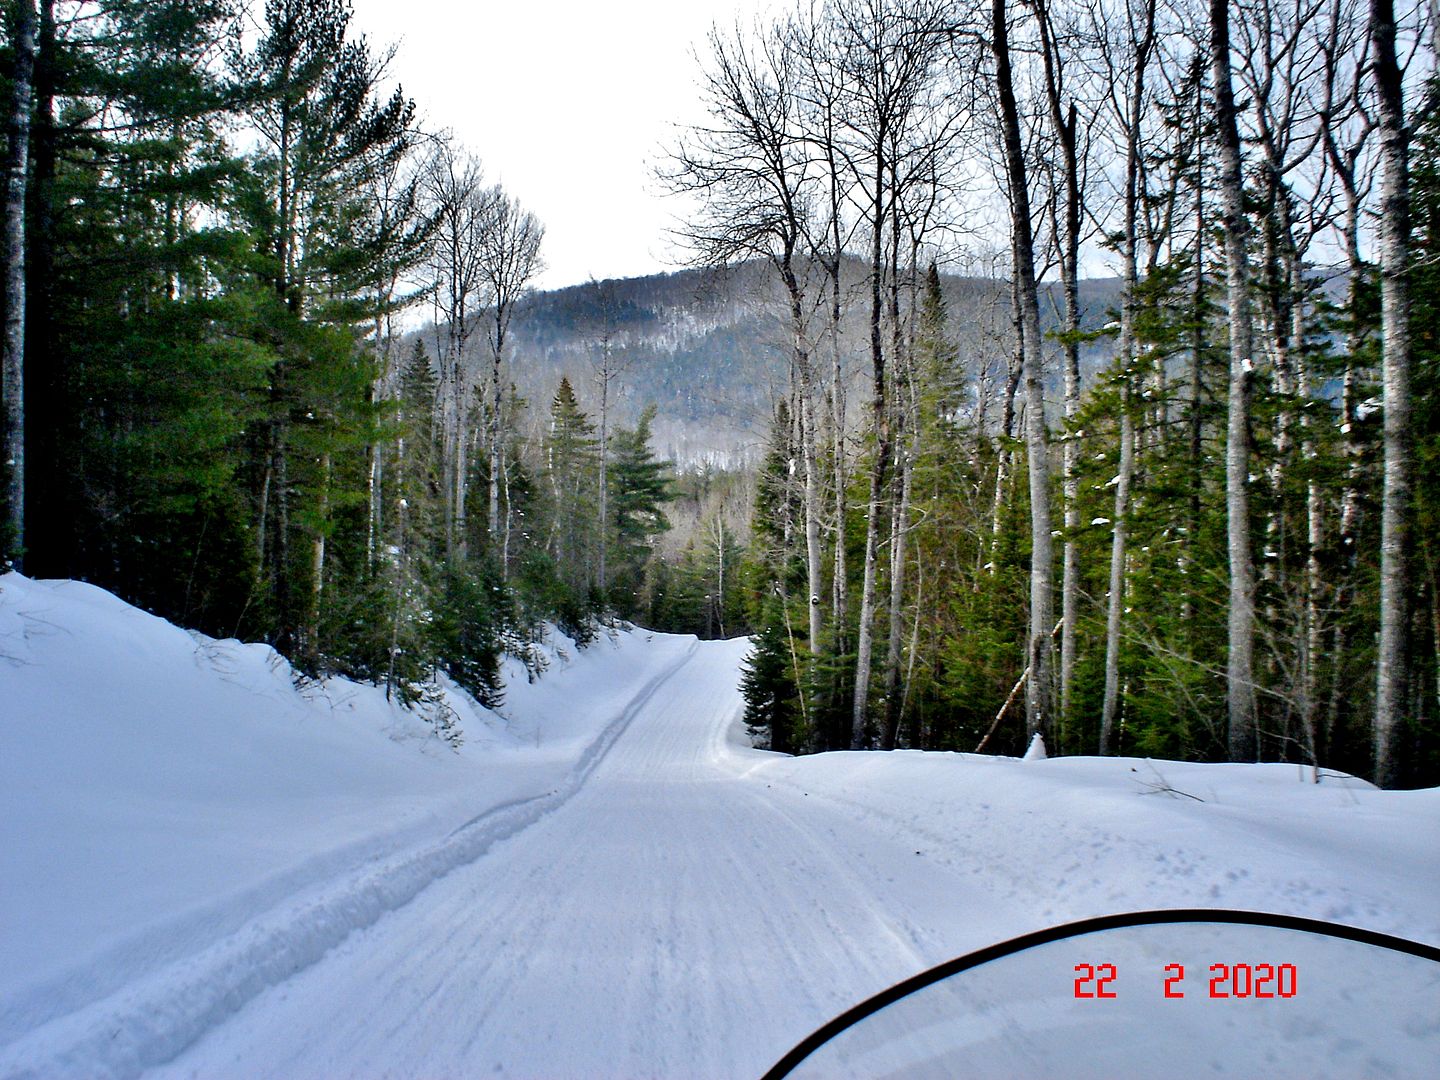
1226	981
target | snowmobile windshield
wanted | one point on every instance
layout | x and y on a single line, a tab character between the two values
1170	994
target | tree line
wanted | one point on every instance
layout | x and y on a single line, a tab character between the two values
1218	541
224	228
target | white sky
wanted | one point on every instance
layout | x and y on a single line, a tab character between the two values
567	103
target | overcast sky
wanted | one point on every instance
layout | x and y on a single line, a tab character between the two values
567	103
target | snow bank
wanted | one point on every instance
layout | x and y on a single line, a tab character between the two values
180	824
1067	838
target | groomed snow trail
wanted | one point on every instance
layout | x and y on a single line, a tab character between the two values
672	918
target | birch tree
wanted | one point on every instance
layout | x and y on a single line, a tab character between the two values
1140	26
509	259
1391	685
12	362
1065	127
459	204
1039	648
822	100
1239	675
886	59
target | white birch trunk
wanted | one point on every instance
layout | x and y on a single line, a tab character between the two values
865	638
899	531
1392	684
604	509
1239	676
1116	601
12	363
1038	707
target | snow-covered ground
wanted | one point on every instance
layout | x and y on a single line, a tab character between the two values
205	872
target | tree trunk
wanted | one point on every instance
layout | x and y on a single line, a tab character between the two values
1239	676
720	570
1392	681
1015	366
492	521
381	389
375	495
1197	391
12	364
461	466
317	561
840	476
809	455
899	530
509	519
1310	628
1116	601
881	466
907	429
1066	127
400	569
285	618
604	522
840	587
49	521
1038	692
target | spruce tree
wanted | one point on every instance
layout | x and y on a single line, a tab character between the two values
639	490
572	463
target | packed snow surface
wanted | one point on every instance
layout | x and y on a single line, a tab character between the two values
206	871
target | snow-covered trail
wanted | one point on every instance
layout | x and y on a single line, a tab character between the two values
209	872
672	918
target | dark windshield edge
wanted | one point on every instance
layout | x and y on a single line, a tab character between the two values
1089	926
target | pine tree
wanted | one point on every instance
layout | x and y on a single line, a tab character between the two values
314	90
141	379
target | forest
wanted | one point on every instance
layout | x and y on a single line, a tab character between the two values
219	219
1218	546
265	342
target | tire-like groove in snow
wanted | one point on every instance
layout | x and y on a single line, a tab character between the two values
152	1020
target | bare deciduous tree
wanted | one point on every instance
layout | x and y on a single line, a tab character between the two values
751	168
509	260
609	363
1039	650
459	203
1065	127
1140	20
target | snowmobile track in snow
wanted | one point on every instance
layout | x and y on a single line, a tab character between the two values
152	1020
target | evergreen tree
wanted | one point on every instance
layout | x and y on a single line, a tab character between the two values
572	469
639	490
314	90
140	389
1419	743
408	581
772	698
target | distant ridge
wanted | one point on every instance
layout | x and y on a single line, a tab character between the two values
710	348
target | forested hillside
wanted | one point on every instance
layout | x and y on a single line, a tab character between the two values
707	348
